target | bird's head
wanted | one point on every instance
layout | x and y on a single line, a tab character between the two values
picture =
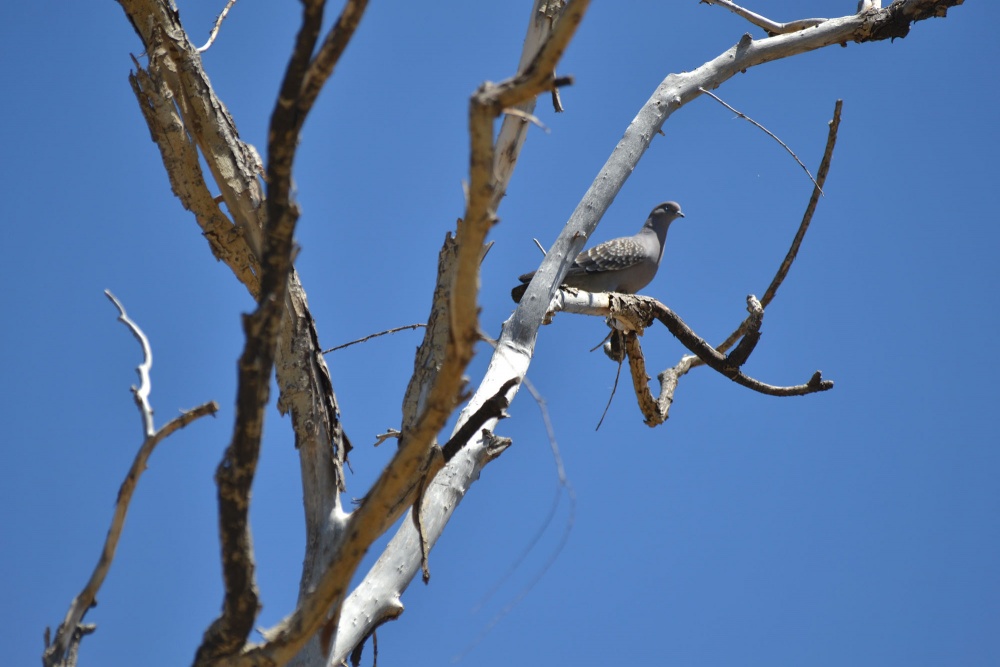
669	209
661	216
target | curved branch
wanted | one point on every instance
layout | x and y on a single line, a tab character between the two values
793	250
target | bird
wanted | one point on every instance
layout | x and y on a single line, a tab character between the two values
625	264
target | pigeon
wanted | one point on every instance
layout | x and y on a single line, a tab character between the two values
626	264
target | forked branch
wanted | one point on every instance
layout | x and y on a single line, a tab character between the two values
793	250
62	650
633	312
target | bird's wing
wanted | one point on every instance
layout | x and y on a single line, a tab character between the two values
613	255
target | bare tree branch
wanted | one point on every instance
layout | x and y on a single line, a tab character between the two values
490	411
793	250
62	651
636	313
374	335
670	377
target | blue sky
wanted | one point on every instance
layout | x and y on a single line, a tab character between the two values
854	527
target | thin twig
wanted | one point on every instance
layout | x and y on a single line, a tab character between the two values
824	169
793	250
486	251
767	131
721	364
141	393
375	335
540	246
613	390
435	461
218	24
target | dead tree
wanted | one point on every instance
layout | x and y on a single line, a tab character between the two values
248	217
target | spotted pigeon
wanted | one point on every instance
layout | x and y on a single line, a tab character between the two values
626	264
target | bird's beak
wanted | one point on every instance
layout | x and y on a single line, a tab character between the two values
680	214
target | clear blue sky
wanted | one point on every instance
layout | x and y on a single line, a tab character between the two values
856	527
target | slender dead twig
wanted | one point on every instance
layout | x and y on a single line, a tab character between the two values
824	169
766	131
614	389
655	411
218	24
416	325
793	250
56	651
62	649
